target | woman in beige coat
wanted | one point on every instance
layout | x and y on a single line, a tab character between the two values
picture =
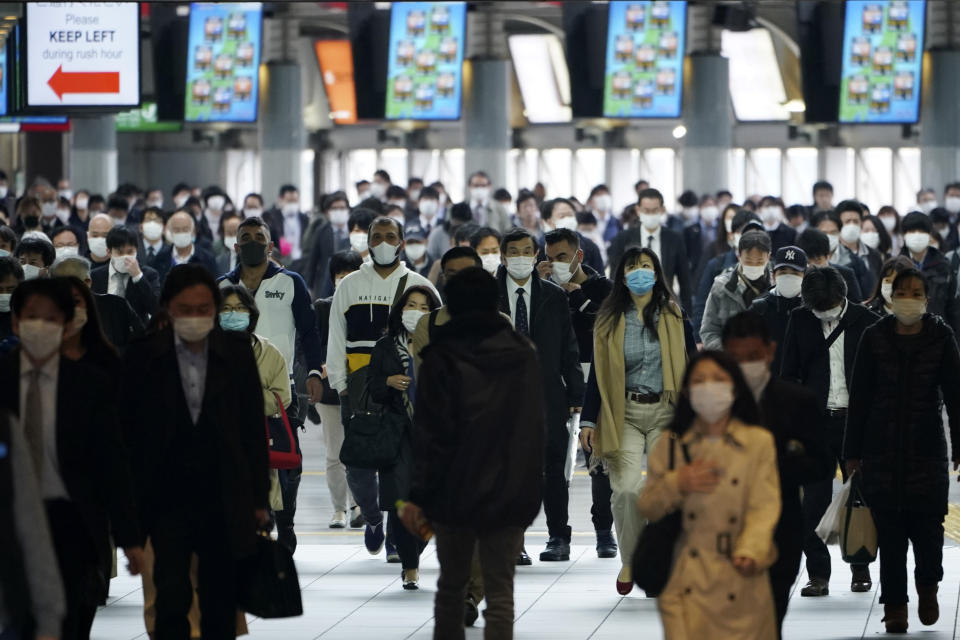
729	495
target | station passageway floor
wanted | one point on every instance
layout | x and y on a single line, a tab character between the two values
351	595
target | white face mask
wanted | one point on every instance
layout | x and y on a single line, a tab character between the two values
834	239
229	241
3	191
339	216
415	251
890	222
491	262
734	241
358	241
690	213
82	202
650	221
479	194
729	225
757	375
216	203
181	240
414	194
119	263
711	400
63	215
710	214
410	318
428	208
562	272
788	285
568	222
290	209
850	232
908	311
752	273
179	201
828	315
156	203
5	302
193	329
886	291
67	252
603	202
40	338
378	190
98	247
65	193
49	209
870	239
952	204
384	254
520	267
30	272
253	213
917	241
152	230
398	203
927	206
771	216
79	320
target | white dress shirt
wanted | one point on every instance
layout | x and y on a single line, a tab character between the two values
292	233
117	282
214	223
837	396
655	243
193	375
156	246
51	484
177	259
512	296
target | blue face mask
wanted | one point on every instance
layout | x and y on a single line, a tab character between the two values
234	321
4	253
641	281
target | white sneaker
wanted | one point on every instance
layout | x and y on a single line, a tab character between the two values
339	520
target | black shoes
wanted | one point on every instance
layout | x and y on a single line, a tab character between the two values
861	581
558	550
606	545
470	612
816	588
523	560
356	518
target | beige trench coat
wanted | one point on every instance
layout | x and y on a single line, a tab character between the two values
706	597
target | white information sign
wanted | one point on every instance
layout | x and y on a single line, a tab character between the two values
83	54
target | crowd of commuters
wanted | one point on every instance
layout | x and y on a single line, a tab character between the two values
721	361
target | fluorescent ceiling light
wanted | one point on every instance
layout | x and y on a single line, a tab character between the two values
679	131
543	77
756	86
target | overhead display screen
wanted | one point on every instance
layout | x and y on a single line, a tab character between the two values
425	70
336	66
644	64
4	80
882	61
223	59
83	54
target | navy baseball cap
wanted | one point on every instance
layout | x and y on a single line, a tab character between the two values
790	257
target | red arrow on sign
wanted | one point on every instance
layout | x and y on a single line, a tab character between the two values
84	82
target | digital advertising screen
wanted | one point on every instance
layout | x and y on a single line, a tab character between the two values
644	65
882	61
223	61
4	80
425	70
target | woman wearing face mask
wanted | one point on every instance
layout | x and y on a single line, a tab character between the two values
890	220
874	234
641	344
882	297
725	483
907	365
392	384
84	339
80	211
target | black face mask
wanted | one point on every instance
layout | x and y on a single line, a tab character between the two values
252	254
31	221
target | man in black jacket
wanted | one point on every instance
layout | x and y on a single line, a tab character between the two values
586	290
818	352
125	277
790	412
540	311
196	437
817	247
941	279
829	223
789	265
478	457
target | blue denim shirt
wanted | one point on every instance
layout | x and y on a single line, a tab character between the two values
641	354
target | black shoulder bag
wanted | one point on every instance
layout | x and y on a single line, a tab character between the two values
653	558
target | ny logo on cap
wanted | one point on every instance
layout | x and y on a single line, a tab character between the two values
790	255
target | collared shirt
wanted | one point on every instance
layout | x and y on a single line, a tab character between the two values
651	239
292	232
117	282
193	375
641	354
214	223
51	484
479	210
156	246
512	296
837	396
178	260
426	225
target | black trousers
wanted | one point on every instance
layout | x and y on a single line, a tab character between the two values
894	530
601	512
83	579
556	489
783	573
177	535
816	500
408	545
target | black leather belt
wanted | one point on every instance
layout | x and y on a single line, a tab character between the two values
643	398
836	413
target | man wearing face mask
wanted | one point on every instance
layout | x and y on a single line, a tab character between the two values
125	277
70	425
214	201
829	222
927	200
789	411
941	279
600	203
851	215
358	316
700	235
152	241
539	310
668	245
100	226
28	215
774	222
11	275
819	348
817	247
428	206
560	213
286	316
735	290
415	252
478	199
951	201
363	189
288	224
381	182
789	265
181	235
182	435
326	234
586	290
49	203
180	194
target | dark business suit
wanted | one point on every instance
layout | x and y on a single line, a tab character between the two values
317	271
783	236
118	319
164	261
552	333
95	471
142	295
143	253
806	361
673	257
198	484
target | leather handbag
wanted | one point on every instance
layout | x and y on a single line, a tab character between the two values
653	558
269	587
373	435
284	452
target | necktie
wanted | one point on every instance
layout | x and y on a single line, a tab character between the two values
523	325
150	252
649	242
33	421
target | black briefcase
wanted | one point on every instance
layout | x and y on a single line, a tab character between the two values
269	587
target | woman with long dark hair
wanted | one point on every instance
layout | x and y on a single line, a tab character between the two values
882	299
85	340
725	483
640	354
392	384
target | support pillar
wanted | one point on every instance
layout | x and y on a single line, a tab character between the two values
708	117
486	118
940	130
282	131
93	154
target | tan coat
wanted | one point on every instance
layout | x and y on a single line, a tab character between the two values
706	597
274	375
